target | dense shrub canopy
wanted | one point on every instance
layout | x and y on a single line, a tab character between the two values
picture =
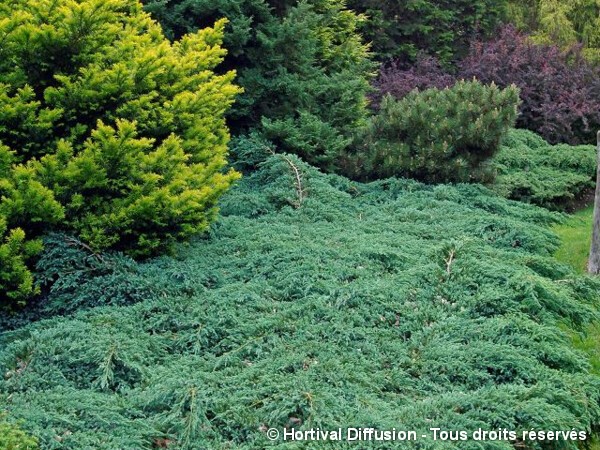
554	176
303	67
438	135
561	22
560	91
106	129
402	29
430	304
397	79
13	438
24	204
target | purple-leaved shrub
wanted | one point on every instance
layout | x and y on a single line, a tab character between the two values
399	79
560	90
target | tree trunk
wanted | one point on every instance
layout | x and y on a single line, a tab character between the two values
594	261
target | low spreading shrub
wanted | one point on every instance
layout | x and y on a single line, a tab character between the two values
554	176
392	304
66	264
436	135
107	130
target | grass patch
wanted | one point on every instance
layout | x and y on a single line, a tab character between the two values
576	237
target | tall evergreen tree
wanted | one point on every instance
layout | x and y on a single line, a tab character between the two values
440	28
566	23
303	67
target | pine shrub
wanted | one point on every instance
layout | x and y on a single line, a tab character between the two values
436	135
108	131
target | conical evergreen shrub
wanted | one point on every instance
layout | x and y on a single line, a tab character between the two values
108	130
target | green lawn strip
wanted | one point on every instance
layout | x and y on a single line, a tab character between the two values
575	235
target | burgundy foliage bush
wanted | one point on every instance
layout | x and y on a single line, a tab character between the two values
399	79
560	91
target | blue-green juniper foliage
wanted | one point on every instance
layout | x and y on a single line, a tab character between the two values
390	304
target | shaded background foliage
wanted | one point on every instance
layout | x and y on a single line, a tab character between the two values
399	79
561	22
560	90
444	29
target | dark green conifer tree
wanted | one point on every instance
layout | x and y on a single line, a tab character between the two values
303	66
442	28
